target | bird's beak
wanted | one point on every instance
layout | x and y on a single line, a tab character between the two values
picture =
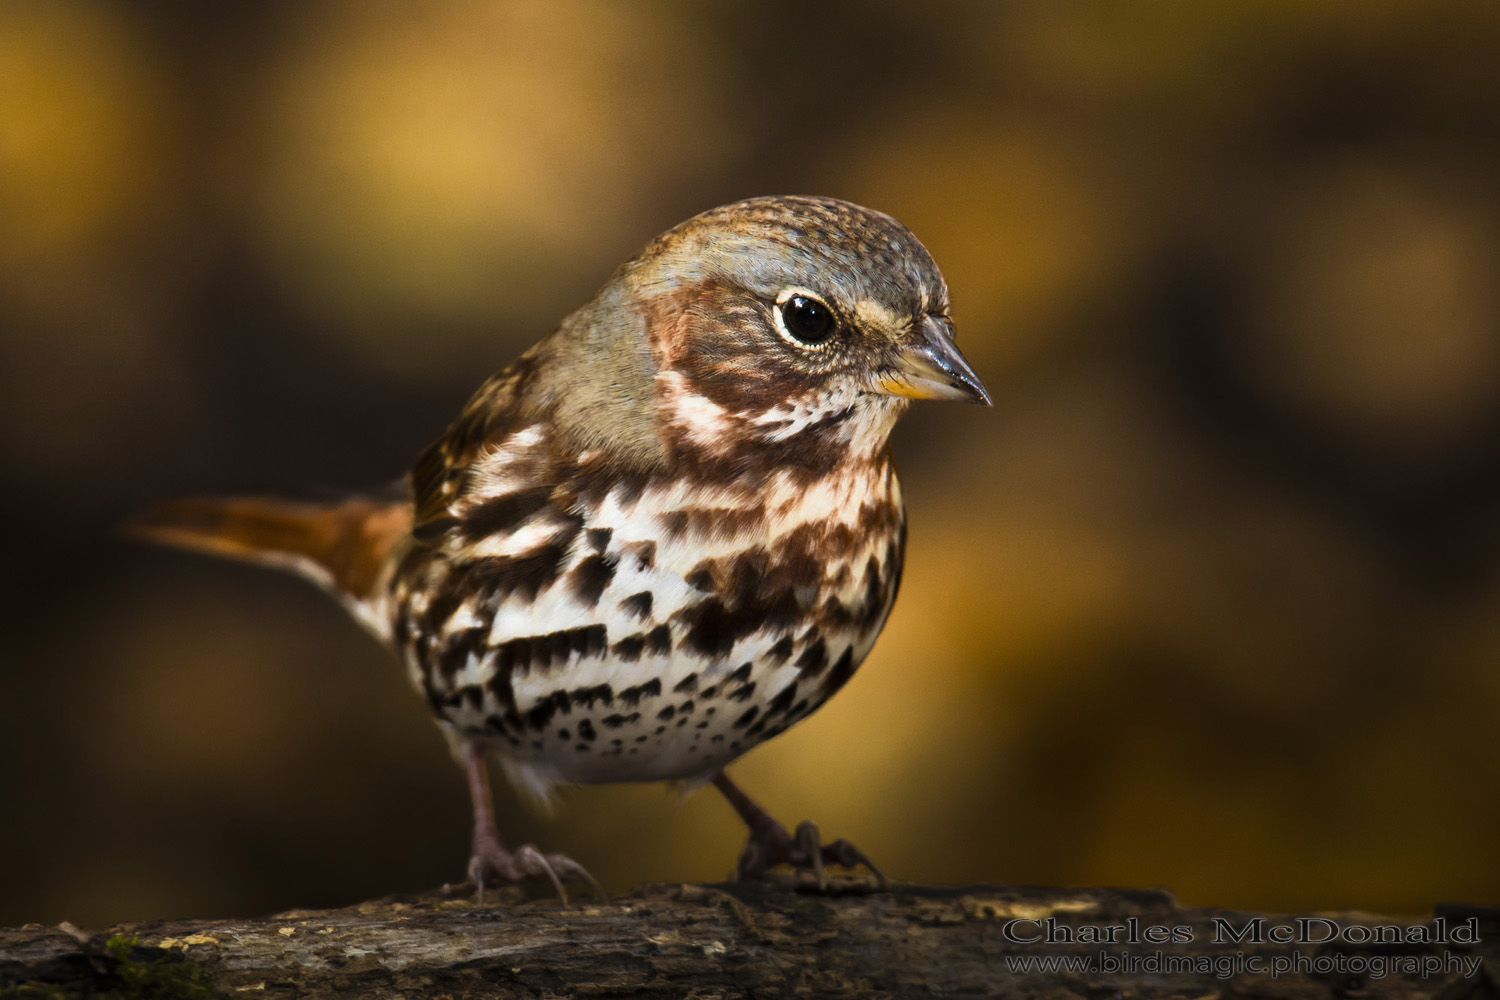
929	366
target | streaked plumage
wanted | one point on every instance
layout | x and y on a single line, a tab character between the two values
668	531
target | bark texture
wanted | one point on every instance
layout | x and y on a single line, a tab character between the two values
770	939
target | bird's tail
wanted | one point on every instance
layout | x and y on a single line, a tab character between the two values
344	546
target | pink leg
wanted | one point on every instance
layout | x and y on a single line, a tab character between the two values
491	860
770	845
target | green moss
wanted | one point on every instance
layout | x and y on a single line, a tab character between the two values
152	972
33	991
125	971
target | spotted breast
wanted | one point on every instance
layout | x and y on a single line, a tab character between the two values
592	627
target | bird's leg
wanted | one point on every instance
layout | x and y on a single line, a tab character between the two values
770	845
491	860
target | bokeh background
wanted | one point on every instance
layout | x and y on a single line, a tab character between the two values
1208	600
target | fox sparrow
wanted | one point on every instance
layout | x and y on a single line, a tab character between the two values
661	536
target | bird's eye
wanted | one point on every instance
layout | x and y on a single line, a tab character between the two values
807	321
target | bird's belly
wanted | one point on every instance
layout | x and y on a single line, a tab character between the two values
642	660
692	717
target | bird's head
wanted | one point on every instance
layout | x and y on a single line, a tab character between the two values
774	321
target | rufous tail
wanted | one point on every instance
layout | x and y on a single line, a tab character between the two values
343	545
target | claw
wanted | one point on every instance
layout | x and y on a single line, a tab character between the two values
476	875
770	845
564	867
846	855
810	847
534	862
492	861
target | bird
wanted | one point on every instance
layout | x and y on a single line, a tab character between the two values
664	534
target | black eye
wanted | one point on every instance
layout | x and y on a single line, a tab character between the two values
808	320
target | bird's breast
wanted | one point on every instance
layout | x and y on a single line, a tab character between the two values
657	630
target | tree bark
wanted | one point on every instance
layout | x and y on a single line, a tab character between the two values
773	938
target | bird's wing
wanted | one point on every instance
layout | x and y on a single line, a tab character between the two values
492	448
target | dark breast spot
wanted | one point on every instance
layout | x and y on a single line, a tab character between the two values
713	626
500	686
539	652
542	712
841	672
722	523
524	576
813	659
631	696
617	720
448	594
761	588
879	518
630	647
875	594
586	697
638	605
783	699
644	554
503	513
460	646
589	578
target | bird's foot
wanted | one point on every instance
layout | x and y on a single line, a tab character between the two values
493	864
770	845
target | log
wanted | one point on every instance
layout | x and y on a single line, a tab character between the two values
778	937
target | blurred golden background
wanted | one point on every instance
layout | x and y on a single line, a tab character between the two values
1209	600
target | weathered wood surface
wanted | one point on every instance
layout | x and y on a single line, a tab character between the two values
768	939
